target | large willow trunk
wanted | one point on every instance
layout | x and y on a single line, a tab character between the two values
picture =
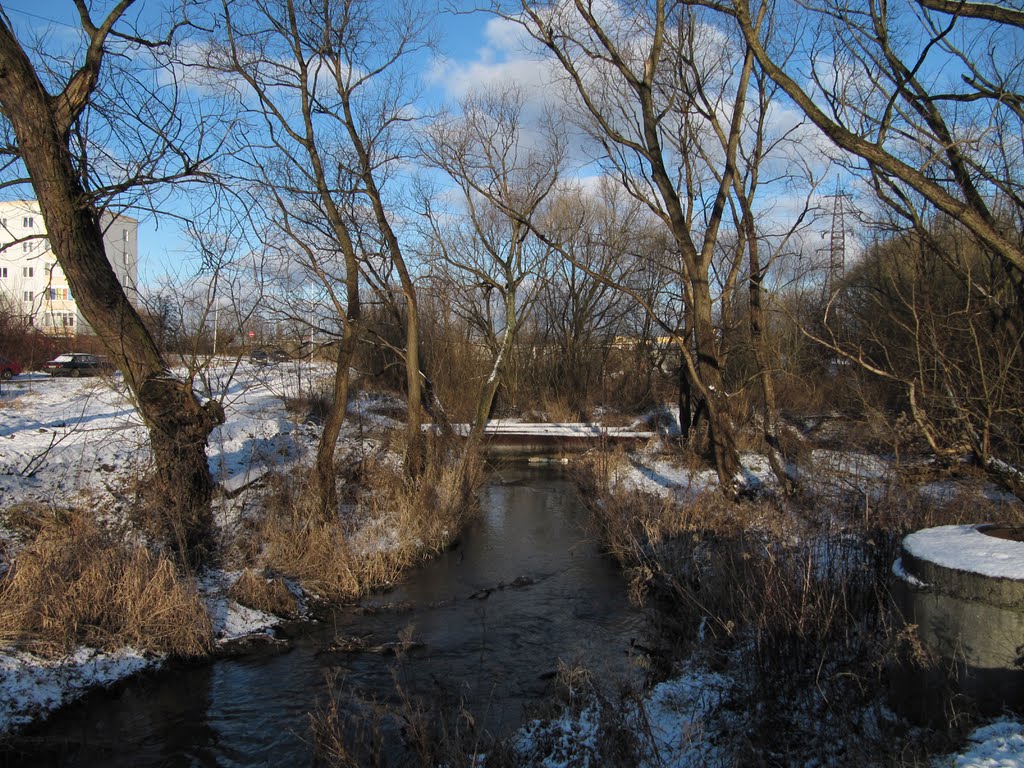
179	425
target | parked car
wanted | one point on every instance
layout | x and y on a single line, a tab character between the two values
273	357
76	364
9	368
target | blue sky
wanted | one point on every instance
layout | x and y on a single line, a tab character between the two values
471	49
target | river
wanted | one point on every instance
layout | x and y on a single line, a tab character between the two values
486	623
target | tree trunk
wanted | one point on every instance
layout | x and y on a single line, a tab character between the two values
414	449
776	457
324	488
179	425
721	432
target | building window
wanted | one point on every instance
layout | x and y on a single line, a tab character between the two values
59	320
28	271
27	295
28	222
26	247
3	272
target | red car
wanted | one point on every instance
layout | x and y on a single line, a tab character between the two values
8	368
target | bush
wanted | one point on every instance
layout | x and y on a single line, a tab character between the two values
791	596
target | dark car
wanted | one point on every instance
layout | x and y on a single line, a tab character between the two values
76	364
263	357
8	368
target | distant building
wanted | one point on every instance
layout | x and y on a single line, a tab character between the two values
33	283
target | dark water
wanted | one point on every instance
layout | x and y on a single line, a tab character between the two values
490	620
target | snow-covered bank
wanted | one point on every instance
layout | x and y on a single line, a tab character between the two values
31	686
687	720
79	442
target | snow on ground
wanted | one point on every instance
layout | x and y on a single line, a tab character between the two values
31	686
996	745
664	477
677	725
62	439
62	436
965	548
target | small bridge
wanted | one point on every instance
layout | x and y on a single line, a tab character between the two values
508	437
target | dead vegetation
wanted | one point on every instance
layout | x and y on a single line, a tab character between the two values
792	598
389	522
76	582
264	593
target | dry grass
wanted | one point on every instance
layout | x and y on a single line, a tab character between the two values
268	594
395	523
349	732
791	594
79	583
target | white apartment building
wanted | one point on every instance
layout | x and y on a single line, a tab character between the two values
33	284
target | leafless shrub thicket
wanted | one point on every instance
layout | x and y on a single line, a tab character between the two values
791	598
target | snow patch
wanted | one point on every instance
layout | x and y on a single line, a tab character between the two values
32	686
997	745
965	548
901	573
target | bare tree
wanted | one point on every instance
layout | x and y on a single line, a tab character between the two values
926	100
646	77
49	109
917	90
503	183
604	232
329	86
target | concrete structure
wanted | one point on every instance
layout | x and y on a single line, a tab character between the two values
961	587
513	438
33	283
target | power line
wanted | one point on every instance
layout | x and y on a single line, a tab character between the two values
41	18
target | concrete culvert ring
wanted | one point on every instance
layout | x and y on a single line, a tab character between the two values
962	587
972	562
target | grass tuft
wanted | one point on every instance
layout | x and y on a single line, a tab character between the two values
392	523
268	594
77	583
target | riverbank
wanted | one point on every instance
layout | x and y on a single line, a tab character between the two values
69	445
779	669
776	618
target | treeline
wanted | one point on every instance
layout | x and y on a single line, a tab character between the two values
657	222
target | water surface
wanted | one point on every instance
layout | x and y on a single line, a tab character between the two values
488	621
